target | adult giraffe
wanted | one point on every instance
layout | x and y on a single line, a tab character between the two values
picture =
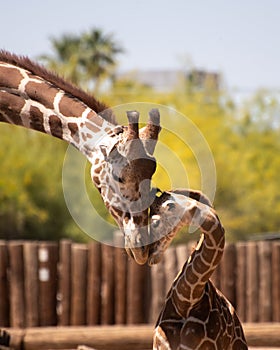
121	156
195	315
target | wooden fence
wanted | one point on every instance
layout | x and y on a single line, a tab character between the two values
261	336
48	284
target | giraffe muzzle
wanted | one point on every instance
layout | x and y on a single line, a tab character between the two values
140	255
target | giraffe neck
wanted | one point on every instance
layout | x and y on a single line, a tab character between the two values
121	156
189	286
171	211
36	99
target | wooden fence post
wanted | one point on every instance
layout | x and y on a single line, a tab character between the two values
17	307
79	284
94	284
64	297
31	284
276	281
4	291
265	292
99	285
136	284
107	285
228	273
121	288
158	290
241	280
252	292
48	259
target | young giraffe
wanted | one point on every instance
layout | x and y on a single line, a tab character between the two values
195	315
121	156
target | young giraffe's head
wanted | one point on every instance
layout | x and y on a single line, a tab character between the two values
168	216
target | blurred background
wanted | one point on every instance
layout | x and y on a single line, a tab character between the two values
215	62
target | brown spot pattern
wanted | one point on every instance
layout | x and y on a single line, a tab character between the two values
199	265
73	127
42	92
36	119
11	105
70	107
10	77
95	118
92	127
55	126
202	309
192	333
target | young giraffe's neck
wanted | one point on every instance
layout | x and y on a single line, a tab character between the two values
189	285
34	98
195	314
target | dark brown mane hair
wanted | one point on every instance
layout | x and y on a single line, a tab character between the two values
72	90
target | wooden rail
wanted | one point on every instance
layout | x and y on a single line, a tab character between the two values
138	337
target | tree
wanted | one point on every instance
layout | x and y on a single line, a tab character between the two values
84	59
245	150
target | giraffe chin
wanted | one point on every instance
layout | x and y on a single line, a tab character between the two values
154	259
140	254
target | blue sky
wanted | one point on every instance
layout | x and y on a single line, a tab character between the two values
238	38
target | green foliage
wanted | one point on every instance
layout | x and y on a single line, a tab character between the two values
246	157
84	59
31	198
245	149
28	196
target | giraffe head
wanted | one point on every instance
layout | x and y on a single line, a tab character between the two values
168	213
121	156
122	168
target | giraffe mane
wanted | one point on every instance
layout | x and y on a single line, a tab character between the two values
53	78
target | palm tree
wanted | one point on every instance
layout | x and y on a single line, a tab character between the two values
84	59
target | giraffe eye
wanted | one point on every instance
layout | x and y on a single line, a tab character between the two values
169	205
155	221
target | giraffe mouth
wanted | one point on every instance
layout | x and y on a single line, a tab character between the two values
139	254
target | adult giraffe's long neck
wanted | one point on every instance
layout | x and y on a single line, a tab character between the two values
121	156
34	98
173	211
